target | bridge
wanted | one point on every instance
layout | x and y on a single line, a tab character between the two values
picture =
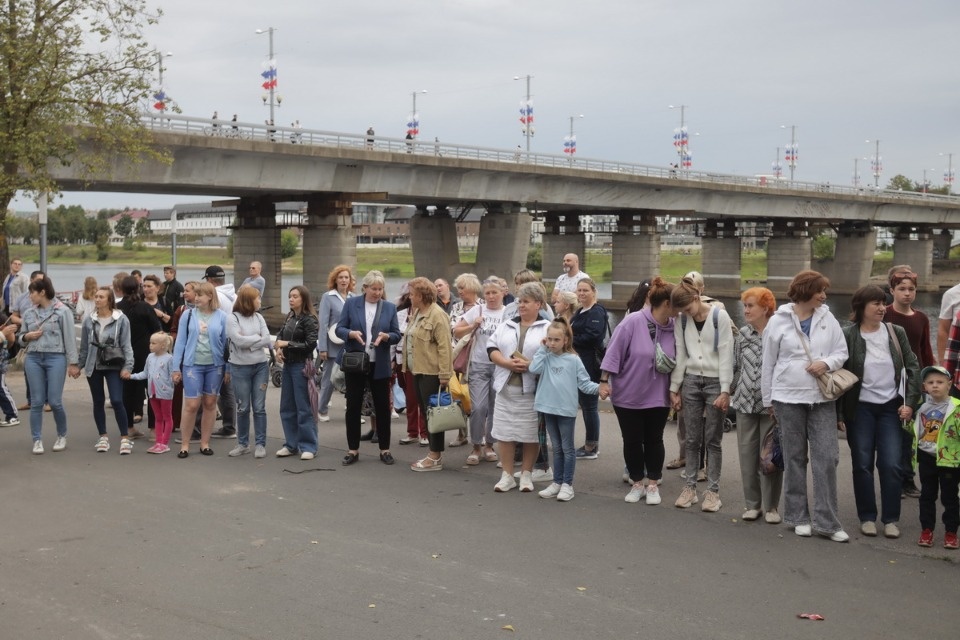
258	166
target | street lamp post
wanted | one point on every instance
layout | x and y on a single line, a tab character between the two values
270	75
161	96
792	151
777	167
526	113
413	124
926	183
948	174
681	139
876	164
570	143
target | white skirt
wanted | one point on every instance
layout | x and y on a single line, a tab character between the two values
514	418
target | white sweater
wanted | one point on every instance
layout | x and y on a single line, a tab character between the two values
784	377
695	353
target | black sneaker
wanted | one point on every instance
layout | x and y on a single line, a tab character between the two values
910	490
224	433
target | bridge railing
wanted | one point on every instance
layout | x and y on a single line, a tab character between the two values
296	135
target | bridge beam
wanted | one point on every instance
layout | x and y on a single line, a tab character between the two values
721	258
503	243
328	240
788	253
433	239
636	253
559	239
257	238
852	262
913	245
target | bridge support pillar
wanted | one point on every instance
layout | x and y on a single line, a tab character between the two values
914	246
257	238
328	240
636	253
559	239
941	244
433	239
788	253
503	243
852	261
721	258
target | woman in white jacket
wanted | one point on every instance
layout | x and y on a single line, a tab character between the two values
808	421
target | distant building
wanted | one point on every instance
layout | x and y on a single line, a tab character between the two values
135	214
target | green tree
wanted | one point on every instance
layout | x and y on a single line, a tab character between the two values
64	62
289	243
142	228
824	246
124	226
901	183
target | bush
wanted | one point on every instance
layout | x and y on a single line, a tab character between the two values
83	254
823	246
139	246
535	258
128	244
289	243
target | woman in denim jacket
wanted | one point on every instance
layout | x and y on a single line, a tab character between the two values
106	326
48	336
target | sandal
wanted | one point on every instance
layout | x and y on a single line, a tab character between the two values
491	456
126	446
473	459
428	464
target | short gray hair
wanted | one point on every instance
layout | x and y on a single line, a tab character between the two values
372	278
532	291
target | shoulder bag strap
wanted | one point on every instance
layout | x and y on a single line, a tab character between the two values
803	342
375	328
896	342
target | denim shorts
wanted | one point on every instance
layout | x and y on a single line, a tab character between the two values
202	379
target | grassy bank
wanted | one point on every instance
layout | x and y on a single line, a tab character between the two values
393	261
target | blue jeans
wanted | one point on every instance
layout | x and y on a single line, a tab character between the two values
591	417
46	373
875	435
296	416
560	429
250	388
115	389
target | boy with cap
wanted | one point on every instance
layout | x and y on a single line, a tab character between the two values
937	429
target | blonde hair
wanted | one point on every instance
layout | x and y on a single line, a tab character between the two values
207	289
167	339
561	325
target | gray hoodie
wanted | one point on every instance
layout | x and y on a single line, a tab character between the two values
249	336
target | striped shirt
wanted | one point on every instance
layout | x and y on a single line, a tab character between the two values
747	364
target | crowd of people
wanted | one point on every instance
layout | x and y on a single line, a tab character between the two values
531	362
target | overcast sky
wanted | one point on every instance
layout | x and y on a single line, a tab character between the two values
842	71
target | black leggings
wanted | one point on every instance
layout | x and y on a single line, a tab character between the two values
426	386
642	431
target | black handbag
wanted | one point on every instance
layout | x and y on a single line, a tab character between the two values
110	356
355	362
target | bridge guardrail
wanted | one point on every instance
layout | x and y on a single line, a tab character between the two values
292	135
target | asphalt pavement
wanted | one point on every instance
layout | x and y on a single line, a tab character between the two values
101	546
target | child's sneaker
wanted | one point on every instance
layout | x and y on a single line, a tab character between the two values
950	540
926	538
162	448
154	449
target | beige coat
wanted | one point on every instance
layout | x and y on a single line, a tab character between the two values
431	340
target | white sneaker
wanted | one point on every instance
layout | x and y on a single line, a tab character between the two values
526	482
551	491
37	447
260	451
840	536
803	530
394	415
750	514
306	455
323	417
506	483
239	450
103	445
284	452
637	491
653	494
772	517
60	444
566	493
12	422
540	475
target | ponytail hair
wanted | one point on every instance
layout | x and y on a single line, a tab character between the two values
660	292
560	324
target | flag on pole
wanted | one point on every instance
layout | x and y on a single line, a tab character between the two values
269	75
526	117
413	124
570	145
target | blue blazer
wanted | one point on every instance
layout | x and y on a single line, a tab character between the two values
354	318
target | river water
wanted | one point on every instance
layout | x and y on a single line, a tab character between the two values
70	278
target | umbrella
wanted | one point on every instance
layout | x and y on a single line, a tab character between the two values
310	373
